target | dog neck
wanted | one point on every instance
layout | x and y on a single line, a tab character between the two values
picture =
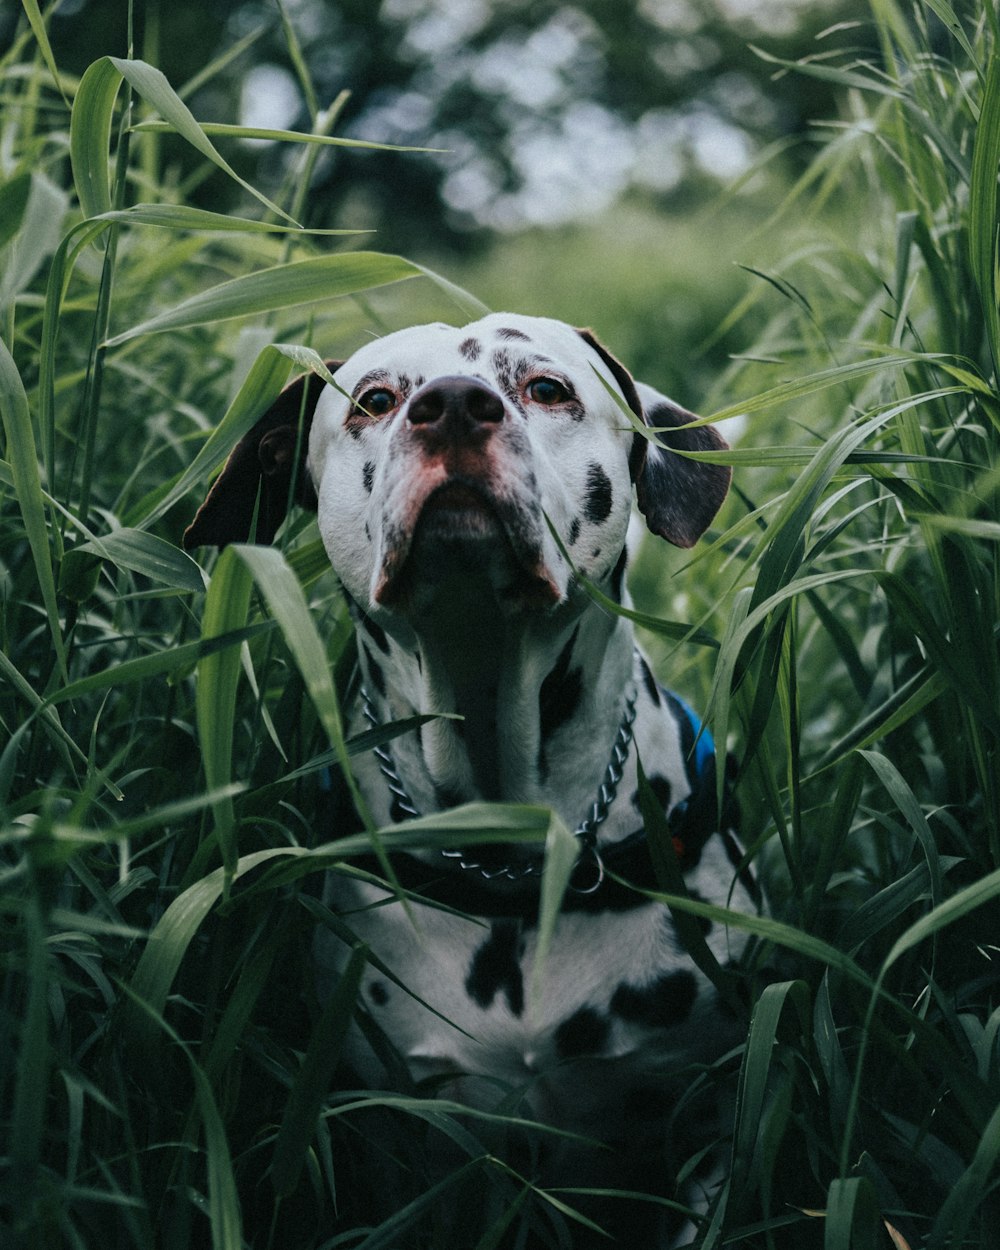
531	730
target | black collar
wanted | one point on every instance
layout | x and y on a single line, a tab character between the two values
627	864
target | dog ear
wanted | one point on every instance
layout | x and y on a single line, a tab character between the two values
269	462
678	497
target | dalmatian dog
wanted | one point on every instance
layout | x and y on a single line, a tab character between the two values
440	465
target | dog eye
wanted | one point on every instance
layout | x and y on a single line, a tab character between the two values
377	402
547	391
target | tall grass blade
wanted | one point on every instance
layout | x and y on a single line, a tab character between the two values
287	603
767	929
27	1124
905	802
973	896
314	1078
800	388
223	1201
226	606
13	202
220	62
156	664
239	1010
900	708
671	881
37	22
754	1073
307	137
66	745
561	852
851	1216
959	666
144	553
36	238
284	286
186	217
153	87
983	206
830	1052
966	1197
168	943
783	544
298	62
259	390
90	136
388	1234
27	485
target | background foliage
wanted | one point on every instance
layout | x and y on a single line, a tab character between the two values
166	1065
536	112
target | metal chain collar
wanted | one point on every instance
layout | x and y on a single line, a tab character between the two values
585	832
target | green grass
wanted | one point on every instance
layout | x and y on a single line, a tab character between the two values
164	1062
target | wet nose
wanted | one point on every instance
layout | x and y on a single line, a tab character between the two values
455	407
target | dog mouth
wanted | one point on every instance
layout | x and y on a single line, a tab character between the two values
463	533
460	511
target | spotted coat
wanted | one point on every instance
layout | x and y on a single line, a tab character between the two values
443	465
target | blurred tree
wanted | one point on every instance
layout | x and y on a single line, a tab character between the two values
546	110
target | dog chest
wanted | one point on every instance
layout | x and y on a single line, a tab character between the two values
614	985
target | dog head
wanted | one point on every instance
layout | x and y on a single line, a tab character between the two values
442	451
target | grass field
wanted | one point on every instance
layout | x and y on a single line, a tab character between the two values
165	1067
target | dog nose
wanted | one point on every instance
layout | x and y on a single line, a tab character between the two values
455	405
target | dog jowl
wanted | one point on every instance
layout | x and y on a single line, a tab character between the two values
439	468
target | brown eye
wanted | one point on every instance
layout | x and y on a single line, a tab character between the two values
547	391
377	402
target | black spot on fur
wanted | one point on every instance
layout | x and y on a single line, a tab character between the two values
559	699
618	576
660	786
703	921
509	333
368	476
447	796
651	684
503	366
512	372
376	675
597	501
495	967
560	694
734	853
378	993
375	632
471	349
584	1033
574	531
664	1004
